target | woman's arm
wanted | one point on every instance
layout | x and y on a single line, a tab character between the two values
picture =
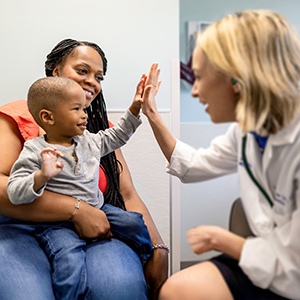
50	207
156	269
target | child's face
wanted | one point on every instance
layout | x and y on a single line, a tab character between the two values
69	116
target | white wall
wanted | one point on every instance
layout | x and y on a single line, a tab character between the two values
133	34
147	170
208	202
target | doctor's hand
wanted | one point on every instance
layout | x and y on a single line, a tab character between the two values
201	238
152	85
206	238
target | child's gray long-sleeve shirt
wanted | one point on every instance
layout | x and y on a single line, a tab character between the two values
80	174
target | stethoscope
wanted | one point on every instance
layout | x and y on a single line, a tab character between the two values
244	142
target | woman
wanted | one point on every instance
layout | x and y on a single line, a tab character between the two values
247	71
113	270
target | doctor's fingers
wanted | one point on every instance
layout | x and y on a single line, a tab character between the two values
152	77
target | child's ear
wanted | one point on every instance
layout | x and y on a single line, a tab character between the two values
46	117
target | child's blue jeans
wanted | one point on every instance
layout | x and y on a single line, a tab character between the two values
66	253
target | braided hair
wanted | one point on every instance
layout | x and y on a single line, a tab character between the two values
97	116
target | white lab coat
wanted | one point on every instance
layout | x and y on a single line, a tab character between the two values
272	258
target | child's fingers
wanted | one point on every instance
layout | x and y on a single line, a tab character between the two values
141	84
147	92
60	164
46	151
139	100
58	153
143	78
49	149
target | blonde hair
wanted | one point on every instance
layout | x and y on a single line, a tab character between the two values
261	50
47	93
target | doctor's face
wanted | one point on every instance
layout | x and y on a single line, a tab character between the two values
214	90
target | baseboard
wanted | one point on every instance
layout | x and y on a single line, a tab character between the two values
186	264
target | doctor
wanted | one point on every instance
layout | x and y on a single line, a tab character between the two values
247	69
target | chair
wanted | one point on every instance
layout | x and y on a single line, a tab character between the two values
238	223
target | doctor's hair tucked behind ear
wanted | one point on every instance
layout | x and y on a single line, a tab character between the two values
261	50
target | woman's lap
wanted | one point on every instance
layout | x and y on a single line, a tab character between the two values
239	284
24	268
121	272
114	270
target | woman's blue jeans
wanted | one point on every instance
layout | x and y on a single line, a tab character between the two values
112	269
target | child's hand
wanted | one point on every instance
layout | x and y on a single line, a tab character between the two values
51	167
152	85
137	101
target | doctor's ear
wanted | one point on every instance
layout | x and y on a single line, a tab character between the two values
46	117
236	86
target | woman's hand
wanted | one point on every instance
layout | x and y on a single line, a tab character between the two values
91	223
156	272
206	238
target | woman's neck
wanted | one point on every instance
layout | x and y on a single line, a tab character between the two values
41	131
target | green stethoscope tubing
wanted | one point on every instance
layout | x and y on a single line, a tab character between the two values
244	142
